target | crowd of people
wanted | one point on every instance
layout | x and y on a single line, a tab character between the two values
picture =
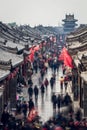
27	116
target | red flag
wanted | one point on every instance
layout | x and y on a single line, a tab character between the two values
68	60
65	56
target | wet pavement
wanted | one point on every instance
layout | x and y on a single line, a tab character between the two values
45	108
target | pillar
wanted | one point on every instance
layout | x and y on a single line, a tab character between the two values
85	99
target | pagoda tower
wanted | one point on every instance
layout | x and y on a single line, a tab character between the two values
69	23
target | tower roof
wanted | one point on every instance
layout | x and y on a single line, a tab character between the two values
69	18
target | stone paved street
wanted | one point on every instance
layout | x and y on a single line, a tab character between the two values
45	108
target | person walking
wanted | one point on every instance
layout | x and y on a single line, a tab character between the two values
30	83
59	101
42	91
46	83
67	99
46	65
61	83
54	101
35	66
52	83
30	92
24	108
5	117
54	65
36	92
65	82
42	72
31	104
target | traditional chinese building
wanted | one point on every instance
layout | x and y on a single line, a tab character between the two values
69	23
77	47
10	64
15	43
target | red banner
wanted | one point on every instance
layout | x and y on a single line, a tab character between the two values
65	56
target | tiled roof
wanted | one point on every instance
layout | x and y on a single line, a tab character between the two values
14	45
82	32
6	56
4	74
77	45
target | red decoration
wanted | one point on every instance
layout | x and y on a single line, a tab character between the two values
64	56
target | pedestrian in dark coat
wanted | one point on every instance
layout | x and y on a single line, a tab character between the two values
30	92
35	66
36	92
42	72
30	83
5	117
52	83
67	99
31	104
42	91
12	124
59	101
78	114
24	108
54	100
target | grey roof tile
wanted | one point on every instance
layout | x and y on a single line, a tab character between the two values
6	56
4	74
13	45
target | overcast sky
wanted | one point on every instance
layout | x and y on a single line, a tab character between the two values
45	12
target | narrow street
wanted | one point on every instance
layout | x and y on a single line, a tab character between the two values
43	65
45	108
